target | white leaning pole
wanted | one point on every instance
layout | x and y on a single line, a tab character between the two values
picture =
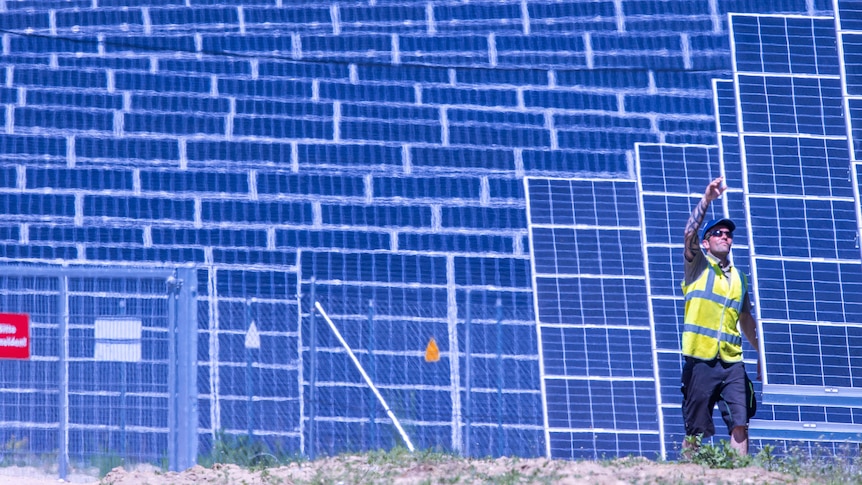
365	376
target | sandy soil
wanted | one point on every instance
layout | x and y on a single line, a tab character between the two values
359	469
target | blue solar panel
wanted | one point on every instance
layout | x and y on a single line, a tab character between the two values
791	105
802	211
684	170
784	45
591	293
805	228
775	418
849	26
797	166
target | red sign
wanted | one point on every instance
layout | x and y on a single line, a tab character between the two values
14	336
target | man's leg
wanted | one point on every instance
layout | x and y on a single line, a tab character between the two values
699	382
734	406
739	439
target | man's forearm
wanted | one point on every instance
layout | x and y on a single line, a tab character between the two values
749	329
712	192
697	216
692	245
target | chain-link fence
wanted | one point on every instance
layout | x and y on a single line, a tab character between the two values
176	366
109	378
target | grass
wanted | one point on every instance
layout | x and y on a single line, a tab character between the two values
237	459
820	464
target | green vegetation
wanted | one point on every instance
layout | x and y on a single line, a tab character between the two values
818	464
715	456
238	459
106	461
245	451
14	452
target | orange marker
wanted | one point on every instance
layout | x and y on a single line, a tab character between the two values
432	353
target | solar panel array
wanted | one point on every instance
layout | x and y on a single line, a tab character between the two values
783	150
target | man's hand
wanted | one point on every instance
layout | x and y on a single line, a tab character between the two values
692	243
715	189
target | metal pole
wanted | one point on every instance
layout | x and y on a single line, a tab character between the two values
63	426
467	391
122	412
312	379
123	387
249	375
187	374
499	308
365	377
173	294
371	345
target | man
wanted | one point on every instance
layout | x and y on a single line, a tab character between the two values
717	308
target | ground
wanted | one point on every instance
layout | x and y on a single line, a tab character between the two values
408	470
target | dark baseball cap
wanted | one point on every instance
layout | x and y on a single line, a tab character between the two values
716	222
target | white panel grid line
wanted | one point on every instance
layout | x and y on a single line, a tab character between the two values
594	326
781	16
782	75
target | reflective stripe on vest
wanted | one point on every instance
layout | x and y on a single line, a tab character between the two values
711	314
731	339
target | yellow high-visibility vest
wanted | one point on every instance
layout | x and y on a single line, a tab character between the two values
712	305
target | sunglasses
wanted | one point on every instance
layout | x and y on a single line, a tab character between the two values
720	232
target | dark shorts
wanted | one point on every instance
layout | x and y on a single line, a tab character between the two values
706	383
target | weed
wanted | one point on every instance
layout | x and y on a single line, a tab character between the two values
107	461
715	456
14	451
242	450
766	458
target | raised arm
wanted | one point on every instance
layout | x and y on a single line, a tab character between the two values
692	242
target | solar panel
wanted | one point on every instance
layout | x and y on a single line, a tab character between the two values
600	392
801	212
849	29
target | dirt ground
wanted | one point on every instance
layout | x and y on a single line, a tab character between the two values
359	469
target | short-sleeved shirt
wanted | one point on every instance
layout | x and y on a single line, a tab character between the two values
695	267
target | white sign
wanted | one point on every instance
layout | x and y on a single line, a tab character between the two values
118	339
252	337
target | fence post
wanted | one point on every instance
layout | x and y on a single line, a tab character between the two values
312	377
64	377
187	371
364	374
499	308
468	410
173	286
123	388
